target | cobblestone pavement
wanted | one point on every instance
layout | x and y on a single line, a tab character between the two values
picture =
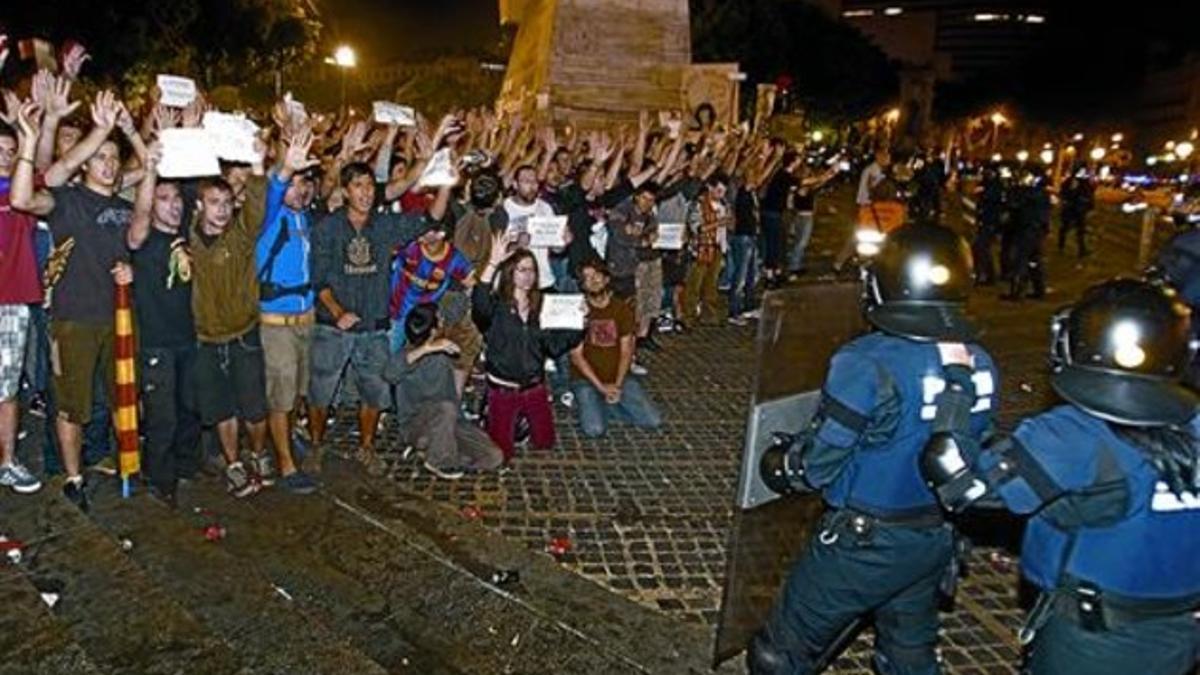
647	514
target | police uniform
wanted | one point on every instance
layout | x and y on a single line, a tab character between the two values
989	212
1112	542
883	545
1030	223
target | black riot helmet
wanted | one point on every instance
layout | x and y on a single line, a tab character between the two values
917	286
1122	351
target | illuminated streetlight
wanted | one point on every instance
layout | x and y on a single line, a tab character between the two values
1023	156
998	118
1117	138
1151	160
1098	153
817	136
997	158
344	57
1184	149
1077	137
892	116
1047	156
1170	145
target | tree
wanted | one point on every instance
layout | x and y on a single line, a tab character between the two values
837	73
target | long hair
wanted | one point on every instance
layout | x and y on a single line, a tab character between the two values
1173	451
506	287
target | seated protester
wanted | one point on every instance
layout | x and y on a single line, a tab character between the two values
516	346
600	364
427	403
423	272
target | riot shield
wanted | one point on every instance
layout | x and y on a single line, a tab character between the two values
799	331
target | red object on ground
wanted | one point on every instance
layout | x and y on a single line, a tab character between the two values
471	512
559	546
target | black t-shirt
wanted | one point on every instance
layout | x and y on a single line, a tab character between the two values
778	191
745	210
98	225
162	291
805	201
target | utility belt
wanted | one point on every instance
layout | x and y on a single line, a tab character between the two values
861	525
1092	609
288	320
360	327
505	385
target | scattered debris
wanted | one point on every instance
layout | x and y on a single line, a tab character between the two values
214	532
1001	562
516	640
492	630
558	546
472	512
286	596
1026	387
126	544
11	549
504	578
51	599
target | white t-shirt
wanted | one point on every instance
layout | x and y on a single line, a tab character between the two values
518	214
870	178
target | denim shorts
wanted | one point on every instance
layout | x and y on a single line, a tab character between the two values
337	354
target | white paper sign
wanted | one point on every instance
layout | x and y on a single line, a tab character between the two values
232	136
439	172
387	112
187	153
176	92
563	311
670	237
546	231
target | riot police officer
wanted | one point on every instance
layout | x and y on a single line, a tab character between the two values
883	545
1078	197
1030	223
1178	264
988	215
1111	479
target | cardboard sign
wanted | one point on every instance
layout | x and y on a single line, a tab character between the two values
232	137
546	231
387	112
175	91
563	311
187	153
670	237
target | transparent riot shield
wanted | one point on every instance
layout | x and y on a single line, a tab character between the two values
799	331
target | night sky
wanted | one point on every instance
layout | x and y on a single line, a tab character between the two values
387	30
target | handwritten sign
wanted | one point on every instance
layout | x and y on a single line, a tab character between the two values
563	311
176	91
546	231
187	153
232	137
387	112
670	237
439	172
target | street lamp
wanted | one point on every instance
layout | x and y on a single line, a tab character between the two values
1098	153
1023	156
344	59
1117	138
817	136
1047	156
998	119
892	116
1184	149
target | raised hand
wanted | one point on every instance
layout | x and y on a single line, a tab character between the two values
12	105
193	113
73	61
105	110
296	158
58	102
29	120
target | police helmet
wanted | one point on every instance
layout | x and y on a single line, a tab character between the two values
1122	351
917	286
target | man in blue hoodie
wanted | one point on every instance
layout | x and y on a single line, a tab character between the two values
287	302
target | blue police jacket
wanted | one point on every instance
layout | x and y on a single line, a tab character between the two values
877	411
290	267
1144	545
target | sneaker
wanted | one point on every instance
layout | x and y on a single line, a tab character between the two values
75	492
106	466
567	399
752	315
299	483
551	367
447	473
238	480
263	468
19	479
639	370
736	321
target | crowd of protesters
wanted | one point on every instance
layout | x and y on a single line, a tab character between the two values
331	276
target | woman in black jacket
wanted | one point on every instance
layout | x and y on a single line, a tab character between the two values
516	346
